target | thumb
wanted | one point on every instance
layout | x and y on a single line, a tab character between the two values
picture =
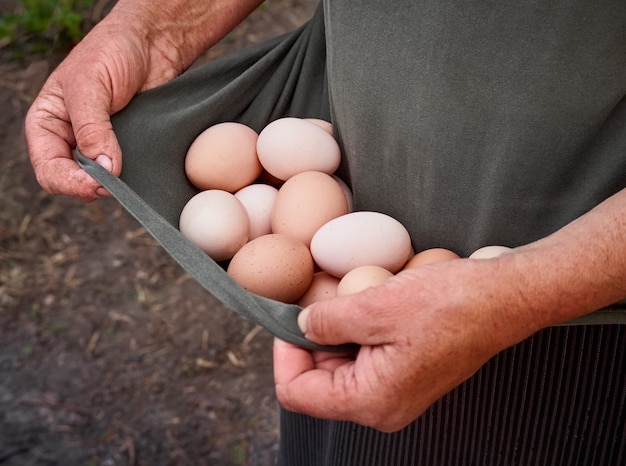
50	133
348	319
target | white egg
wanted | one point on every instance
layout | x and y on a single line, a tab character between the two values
217	222
289	146
258	199
361	238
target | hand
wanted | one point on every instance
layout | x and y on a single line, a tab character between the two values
423	332
140	45
426	330
97	79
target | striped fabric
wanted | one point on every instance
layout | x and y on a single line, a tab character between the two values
557	398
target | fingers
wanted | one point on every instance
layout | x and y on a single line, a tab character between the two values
375	386
303	385
90	107
420	334
50	142
367	386
54	126
341	387
354	318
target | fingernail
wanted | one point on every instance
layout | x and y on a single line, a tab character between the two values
102	192
105	162
302	318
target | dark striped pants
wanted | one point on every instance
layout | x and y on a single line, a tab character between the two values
557	398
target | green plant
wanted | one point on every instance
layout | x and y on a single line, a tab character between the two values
39	26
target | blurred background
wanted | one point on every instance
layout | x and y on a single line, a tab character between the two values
109	353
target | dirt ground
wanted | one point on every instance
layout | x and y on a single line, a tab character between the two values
109	353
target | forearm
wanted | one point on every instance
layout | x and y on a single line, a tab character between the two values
182	29
575	271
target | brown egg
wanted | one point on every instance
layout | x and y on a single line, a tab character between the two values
361	278
347	191
223	157
275	266
306	202
429	256
323	286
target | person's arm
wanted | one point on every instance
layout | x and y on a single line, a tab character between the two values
430	328
139	45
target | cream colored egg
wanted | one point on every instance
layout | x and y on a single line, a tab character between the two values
325	125
258	199
323	286
361	238
223	157
305	202
217	222
289	146
488	252
274	266
362	277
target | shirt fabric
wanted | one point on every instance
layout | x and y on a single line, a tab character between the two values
477	123
473	123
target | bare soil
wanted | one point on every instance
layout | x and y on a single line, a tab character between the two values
109	353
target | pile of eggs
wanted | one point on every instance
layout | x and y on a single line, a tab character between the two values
271	205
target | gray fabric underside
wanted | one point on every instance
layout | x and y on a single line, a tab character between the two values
282	77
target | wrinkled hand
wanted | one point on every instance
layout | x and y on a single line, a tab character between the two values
422	333
98	78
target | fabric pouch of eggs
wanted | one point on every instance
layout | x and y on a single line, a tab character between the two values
282	77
